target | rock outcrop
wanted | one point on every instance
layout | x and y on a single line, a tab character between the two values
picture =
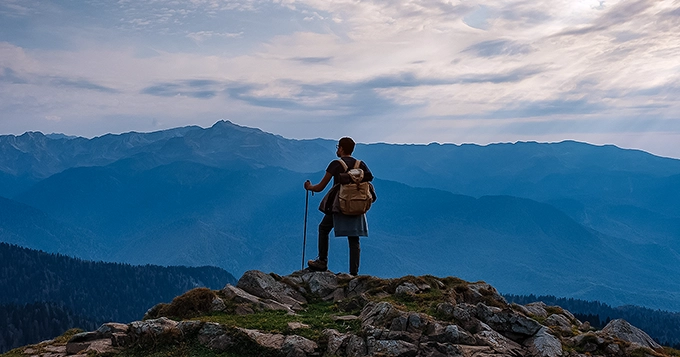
324	314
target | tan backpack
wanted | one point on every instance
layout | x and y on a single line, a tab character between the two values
355	197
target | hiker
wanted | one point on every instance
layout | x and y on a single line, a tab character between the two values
353	226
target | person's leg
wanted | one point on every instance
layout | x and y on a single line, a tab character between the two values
325	227
354	255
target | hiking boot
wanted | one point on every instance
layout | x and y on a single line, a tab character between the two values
318	265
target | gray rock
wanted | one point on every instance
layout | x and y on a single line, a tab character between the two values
436	349
76	347
337	295
239	295
520	308
321	283
295	343
613	349
103	346
452	334
537	309
393	348
481	290
498	342
623	330
189	327
107	329
265	286
465	316
407	288
336	342
154	328
217	305
543	344
379	314
356	346
445	309
215	337
291	345
84	337
357	286
508	322
296	325
559	321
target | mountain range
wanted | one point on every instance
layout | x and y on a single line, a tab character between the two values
568	219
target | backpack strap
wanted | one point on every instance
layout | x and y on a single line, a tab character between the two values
357	163
344	165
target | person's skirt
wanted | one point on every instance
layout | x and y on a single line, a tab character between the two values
348	226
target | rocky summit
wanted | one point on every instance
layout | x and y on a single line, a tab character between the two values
326	314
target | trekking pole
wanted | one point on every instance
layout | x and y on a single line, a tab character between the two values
304	235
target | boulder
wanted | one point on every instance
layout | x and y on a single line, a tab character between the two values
559	322
265	286
407	288
537	309
217	305
392	348
543	344
356	346
320	283
508	322
154	328
445	309
483	292
451	334
292	345
623	330
189	327
214	336
498	342
379	314
336	342
239	295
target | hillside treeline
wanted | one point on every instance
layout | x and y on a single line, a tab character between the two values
96	291
662	326
29	323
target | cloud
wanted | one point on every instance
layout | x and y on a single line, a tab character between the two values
617	16
81	84
313	60
500	47
10	76
195	88
202	36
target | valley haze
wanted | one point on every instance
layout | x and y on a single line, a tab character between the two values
568	219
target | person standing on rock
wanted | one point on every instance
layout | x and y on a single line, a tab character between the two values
352	227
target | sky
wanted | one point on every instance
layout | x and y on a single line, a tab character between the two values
398	71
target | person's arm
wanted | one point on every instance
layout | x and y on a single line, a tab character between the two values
321	185
368	175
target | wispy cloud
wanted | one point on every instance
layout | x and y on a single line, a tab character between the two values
12	77
500	47
196	88
201	36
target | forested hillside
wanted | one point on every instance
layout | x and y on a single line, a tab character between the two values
92	292
28	323
663	326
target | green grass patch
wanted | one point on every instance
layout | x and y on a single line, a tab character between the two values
318	316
